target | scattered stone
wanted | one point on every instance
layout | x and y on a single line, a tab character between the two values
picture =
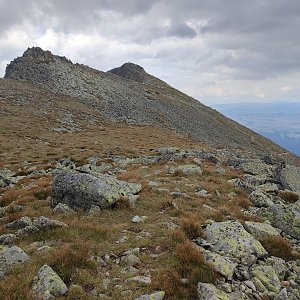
155	296
131	260
62	208
83	190
141	279
207	291
170	225
95	209
8	238
187	170
138	219
166	150
44	223
129	270
47	283
19	223
203	193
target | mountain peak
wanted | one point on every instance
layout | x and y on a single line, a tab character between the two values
133	72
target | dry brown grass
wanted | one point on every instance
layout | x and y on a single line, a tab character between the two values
289	196
191	227
280	247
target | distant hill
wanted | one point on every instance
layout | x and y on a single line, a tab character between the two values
280	122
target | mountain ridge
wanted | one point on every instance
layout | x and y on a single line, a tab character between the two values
129	94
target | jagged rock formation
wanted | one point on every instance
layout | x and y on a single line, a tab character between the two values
131	95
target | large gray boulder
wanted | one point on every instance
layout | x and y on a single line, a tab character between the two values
10	256
83	191
231	239
47	284
257	167
290	178
286	217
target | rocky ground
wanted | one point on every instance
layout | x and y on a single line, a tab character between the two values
173	224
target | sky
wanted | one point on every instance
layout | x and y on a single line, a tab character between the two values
218	51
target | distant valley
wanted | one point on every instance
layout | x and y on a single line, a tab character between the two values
280	122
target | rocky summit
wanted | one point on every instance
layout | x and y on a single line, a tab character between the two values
114	185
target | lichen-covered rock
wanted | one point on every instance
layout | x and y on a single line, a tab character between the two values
188	170
7	238
231	239
238	183
265	278
155	296
20	223
255	180
286	217
44	223
260	230
279	266
207	291
47	283
269	187
166	150
220	263
6	178
61	208
10	256
290	178
256	167
84	190
260	199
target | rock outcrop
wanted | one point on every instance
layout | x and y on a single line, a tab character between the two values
83	191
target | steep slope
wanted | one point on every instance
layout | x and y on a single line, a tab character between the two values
128	94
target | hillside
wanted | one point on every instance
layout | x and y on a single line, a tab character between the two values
117	186
128	94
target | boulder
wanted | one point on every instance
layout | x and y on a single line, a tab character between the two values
290	178
286	217
7	238
82	191
260	230
47	284
155	296
188	170
260	199
231	239
9	256
279	266
207	291
220	263
61	208
256	167
265	278
6	178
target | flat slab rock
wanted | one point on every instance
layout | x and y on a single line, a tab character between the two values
231	239
260	230
83	191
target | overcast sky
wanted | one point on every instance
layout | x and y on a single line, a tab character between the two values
217	51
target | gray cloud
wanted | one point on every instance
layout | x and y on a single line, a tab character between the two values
212	48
